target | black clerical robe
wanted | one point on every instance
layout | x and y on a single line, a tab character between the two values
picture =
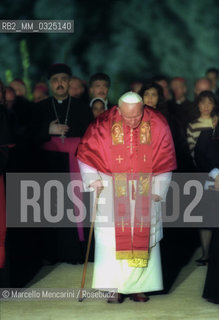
79	117
61	244
207	157
21	156
179	115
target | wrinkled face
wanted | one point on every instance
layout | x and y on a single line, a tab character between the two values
179	89
132	113
76	88
99	89
202	85
150	97
206	106
19	88
98	108
212	76
59	84
166	91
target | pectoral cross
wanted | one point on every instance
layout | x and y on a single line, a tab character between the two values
119	159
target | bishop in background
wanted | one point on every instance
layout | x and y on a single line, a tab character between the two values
58	123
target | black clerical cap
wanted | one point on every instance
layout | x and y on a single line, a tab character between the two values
59	68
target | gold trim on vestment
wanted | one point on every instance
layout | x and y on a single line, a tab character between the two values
138	263
145	132
120	185
117	133
144	184
137	258
132	254
124	255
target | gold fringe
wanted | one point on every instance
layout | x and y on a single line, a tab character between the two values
124	255
136	258
139	254
138	263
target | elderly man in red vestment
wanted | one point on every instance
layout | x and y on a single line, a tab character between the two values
127	156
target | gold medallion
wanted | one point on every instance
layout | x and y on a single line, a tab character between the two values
117	133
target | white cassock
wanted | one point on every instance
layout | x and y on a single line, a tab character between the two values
108	271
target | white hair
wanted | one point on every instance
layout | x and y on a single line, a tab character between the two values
129	97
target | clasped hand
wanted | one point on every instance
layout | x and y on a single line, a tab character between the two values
57	128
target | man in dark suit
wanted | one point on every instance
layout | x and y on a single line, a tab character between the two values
99	86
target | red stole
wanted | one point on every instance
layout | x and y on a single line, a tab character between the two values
136	151
104	147
2	221
69	145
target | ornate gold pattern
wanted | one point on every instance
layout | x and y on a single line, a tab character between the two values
124	255
144	184
117	133
120	185
145	132
136	259
137	263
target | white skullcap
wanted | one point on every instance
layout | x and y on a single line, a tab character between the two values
130	97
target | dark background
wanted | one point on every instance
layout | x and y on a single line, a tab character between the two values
129	40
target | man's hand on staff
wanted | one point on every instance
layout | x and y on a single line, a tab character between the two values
156	198
98	186
56	128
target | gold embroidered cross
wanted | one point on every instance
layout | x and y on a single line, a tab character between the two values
123	224
141	224
131	147
144	158
119	159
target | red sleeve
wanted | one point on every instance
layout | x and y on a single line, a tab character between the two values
92	148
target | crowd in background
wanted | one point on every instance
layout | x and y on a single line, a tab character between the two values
187	119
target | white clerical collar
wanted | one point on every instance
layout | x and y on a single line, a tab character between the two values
61	101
